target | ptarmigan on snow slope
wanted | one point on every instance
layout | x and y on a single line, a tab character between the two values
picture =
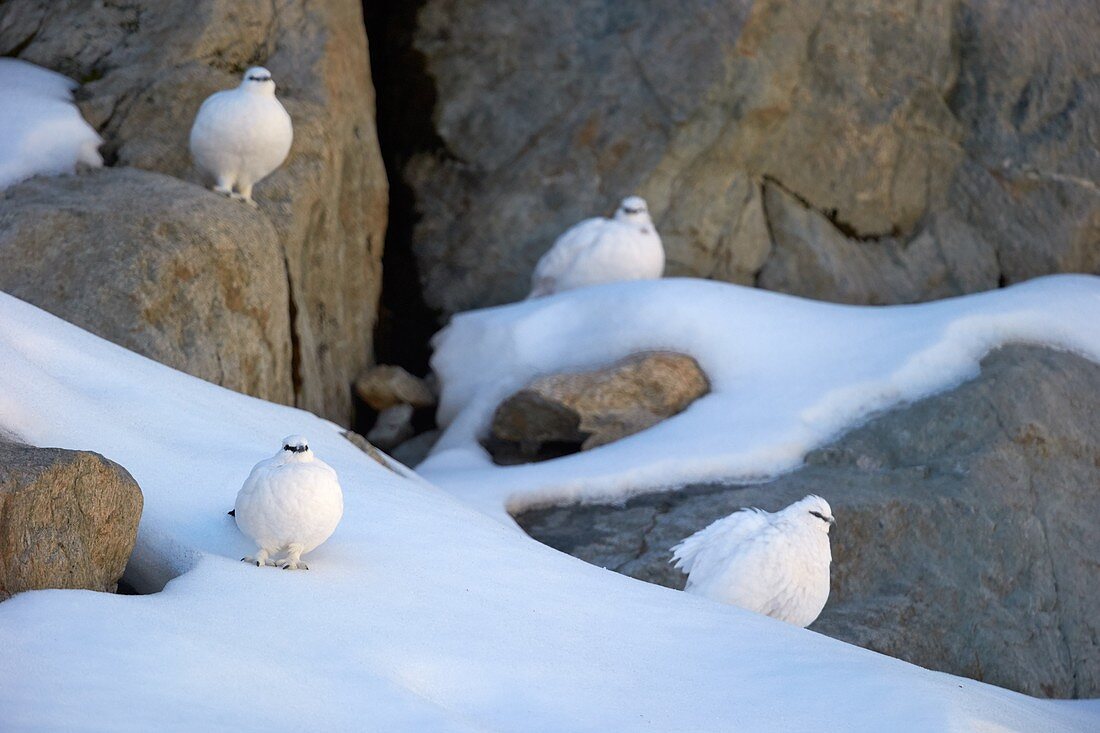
775	564
241	135
601	250
289	504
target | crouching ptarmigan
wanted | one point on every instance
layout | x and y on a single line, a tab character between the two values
241	135
775	564
599	250
289	504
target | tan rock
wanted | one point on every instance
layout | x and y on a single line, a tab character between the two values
600	406
385	385
68	519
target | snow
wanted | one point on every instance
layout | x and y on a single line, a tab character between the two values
418	614
41	130
787	375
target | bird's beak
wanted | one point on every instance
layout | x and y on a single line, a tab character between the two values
832	521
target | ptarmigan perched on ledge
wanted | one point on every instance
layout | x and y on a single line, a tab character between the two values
242	135
599	250
289	504
775	564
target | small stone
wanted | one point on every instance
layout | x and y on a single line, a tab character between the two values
385	385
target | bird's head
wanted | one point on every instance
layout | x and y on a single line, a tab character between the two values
258	81
296	448
815	512
633	210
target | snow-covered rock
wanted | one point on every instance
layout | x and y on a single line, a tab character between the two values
41	130
786	375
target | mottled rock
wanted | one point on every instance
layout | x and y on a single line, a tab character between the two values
966	537
597	407
68	519
157	266
954	134
385	385
146	69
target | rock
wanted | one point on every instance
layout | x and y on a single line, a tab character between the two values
68	519
145	70
364	445
955	135
600	406
966	533
392	427
384	386
415	449
157	266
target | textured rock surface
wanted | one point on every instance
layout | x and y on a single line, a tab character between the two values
932	148
68	519
966	537
147	67
600	406
158	266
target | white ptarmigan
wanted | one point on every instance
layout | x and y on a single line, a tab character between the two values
600	250
242	135
290	504
774	564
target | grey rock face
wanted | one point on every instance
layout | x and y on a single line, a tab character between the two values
146	69
966	537
925	149
68	519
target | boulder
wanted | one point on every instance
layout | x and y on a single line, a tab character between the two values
966	536
594	408
146	69
954	134
384	385
158	266
68	519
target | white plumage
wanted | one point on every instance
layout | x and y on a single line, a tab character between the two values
775	564
600	250
289	505
241	135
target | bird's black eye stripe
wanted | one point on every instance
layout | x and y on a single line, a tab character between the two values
296	448
820	516
259	78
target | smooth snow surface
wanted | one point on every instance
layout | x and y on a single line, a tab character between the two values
787	374
420	614
41	130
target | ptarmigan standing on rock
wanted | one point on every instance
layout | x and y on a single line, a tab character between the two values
241	135
775	564
599	250
290	504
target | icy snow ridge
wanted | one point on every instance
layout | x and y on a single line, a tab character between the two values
787	374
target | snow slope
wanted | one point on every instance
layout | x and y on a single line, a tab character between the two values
787	374
41	130
419	614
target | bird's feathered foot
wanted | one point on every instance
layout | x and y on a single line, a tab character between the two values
294	565
293	559
263	557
